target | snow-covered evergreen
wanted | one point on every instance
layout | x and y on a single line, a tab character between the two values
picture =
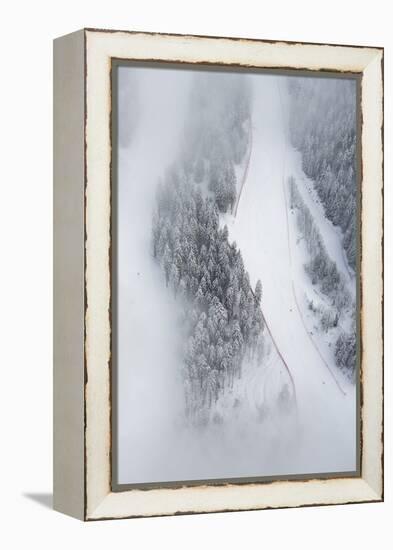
345	353
323	127
234	377
324	274
222	318
217	133
321	269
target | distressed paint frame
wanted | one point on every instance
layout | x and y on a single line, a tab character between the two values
100	47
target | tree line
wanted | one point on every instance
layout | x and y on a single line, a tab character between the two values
217	134
222	319
323	128
324	274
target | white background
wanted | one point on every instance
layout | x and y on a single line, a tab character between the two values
26	273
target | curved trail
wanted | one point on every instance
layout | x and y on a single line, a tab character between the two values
280	355
234	211
290	260
326	440
263	315
290	255
344	261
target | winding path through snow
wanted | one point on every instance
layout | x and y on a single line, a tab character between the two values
261	229
284	184
245	174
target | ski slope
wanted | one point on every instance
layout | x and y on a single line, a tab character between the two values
326	403
248	436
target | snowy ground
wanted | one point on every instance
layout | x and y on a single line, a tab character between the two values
267	239
150	394
154	445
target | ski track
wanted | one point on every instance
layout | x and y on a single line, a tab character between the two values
284	185
261	229
245	174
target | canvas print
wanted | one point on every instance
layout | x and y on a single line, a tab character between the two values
235	271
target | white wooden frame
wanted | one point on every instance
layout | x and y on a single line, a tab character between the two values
82	207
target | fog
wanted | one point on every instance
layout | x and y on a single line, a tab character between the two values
155	443
149	391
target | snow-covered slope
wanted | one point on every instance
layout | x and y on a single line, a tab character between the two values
246	438
326	404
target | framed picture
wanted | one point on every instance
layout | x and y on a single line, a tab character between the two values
218	274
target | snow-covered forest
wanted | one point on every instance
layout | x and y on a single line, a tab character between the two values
222	319
236	273
323	128
337	304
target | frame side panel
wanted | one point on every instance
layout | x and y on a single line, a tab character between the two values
372	275
68	242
